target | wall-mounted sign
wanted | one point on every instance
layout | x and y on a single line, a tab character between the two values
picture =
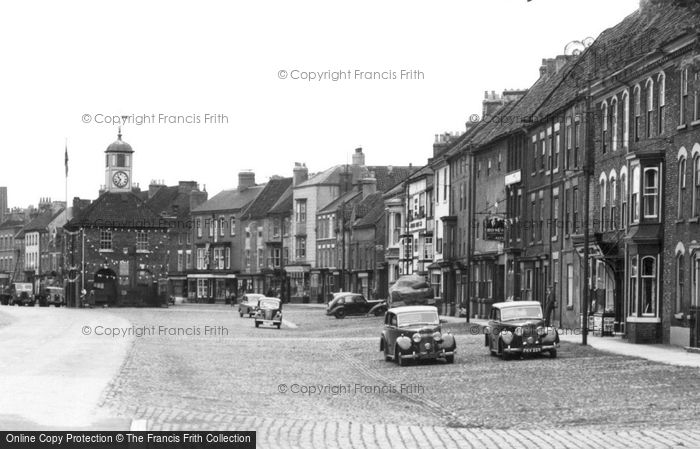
494	228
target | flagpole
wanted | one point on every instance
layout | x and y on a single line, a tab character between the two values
66	181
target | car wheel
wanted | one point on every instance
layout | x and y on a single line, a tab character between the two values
257	324
279	325
553	353
340	314
502	352
399	360
240	313
450	359
387	357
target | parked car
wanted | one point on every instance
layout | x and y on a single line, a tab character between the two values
5	295
411	290
22	294
354	304
414	333
249	304
269	312
517	328
55	296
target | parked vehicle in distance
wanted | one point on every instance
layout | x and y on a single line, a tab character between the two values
5	295
517	328
411	290
415	333
55	296
249	304
354	304
22	294
269	312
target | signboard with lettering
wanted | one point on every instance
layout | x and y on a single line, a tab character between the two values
494	228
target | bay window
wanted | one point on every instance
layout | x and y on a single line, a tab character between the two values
651	192
634	197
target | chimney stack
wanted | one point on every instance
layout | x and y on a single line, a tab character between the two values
246	179
300	174
368	186
154	187
197	198
358	158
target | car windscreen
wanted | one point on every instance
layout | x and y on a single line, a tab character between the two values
520	313
412	318
269	304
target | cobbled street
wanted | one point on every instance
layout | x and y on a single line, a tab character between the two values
322	382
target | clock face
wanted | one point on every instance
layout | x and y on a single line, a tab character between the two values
120	179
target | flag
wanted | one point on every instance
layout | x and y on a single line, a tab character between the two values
66	158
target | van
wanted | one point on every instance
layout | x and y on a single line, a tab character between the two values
22	294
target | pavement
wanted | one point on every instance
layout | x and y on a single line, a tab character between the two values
670	355
53	375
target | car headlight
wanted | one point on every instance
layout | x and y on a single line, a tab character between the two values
416	337
507	337
541	331
437	336
403	342
519	331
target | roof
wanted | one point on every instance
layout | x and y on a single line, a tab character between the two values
369	210
40	222
329	176
171	201
507	304
117	210
267	198
12	223
636	37
232	199
285	203
350	196
388	176
119	146
409	309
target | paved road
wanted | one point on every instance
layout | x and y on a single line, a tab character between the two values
52	375
204	368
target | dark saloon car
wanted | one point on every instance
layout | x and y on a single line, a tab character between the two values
249	304
414	333
517	328
269	312
353	304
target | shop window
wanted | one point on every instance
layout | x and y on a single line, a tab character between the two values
633	291
649	286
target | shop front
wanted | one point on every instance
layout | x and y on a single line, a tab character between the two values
211	288
299	282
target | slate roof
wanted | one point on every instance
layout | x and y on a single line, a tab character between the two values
369	210
170	201
12	223
634	39
267	198
328	176
40	222
232	199
285	203
117	210
347	197
388	176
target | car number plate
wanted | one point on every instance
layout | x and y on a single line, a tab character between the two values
532	349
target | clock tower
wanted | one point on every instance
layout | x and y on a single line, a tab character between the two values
118	163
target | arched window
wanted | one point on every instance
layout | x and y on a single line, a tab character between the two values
613	201
651	192
614	123
684	97
682	159
695	286
625	120
634	197
696	185
650	106
604	118
648	275
623	198
603	200
637	111
661	81
633	291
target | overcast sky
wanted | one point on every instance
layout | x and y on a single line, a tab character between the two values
63	60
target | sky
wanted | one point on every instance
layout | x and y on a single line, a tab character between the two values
240	72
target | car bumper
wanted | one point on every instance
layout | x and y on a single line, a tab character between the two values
531	349
428	355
